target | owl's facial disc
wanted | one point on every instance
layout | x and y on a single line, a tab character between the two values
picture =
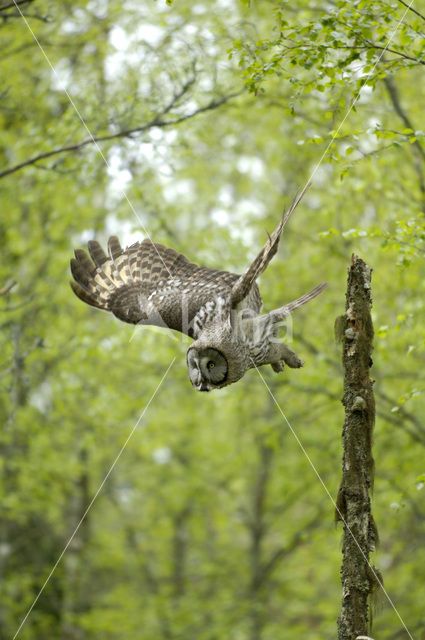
207	368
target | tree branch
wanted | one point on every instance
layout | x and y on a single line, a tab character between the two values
369	44
298	539
157	121
11	5
420	153
372	45
395	99
409	6
405	415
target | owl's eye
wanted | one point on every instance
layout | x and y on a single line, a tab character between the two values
210	365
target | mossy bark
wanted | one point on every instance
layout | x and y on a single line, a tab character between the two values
353	504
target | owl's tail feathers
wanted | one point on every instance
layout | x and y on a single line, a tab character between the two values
282	312
96	279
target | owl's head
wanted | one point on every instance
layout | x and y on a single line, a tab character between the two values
208	368
217	358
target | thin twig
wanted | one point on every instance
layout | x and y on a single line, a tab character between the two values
373	45
14	307
7	287
409	6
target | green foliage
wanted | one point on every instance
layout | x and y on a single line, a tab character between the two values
212	524
333	47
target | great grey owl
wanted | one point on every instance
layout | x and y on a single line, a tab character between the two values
148	283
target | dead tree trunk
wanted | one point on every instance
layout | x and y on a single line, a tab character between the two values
353	503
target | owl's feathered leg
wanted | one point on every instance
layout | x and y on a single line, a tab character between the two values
280	353
275	353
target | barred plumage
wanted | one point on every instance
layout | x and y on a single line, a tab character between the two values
147	276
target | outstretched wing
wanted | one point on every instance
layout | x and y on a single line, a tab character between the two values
242	287
149	284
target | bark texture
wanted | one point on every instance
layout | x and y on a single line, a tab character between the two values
353	503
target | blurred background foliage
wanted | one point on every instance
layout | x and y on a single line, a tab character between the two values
208	117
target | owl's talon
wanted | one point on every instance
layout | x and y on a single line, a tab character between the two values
294	362
290	357
278	366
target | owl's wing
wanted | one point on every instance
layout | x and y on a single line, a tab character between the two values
243	285
148	283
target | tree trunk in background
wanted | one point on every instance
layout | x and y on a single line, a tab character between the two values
353	504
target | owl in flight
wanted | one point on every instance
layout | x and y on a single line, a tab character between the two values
148	283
